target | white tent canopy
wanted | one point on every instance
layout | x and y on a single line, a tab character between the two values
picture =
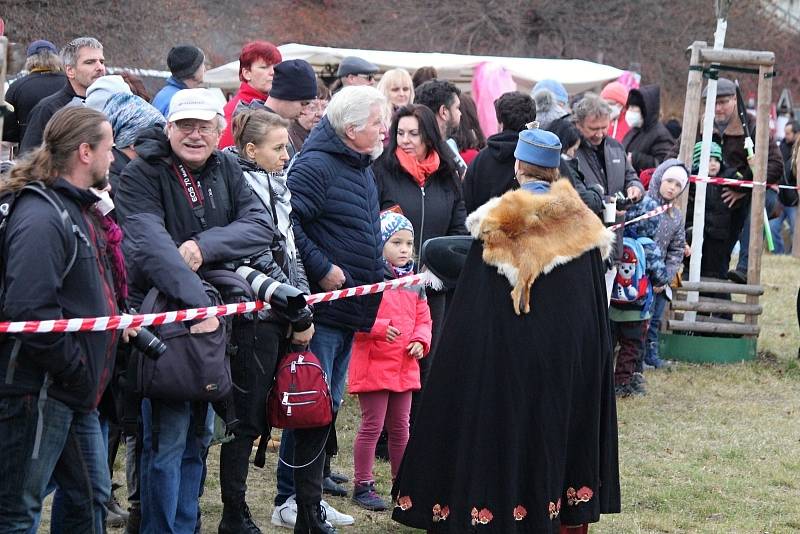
577	75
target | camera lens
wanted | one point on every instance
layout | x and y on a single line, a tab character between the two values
149	344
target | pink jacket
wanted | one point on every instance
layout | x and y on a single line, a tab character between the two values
376	364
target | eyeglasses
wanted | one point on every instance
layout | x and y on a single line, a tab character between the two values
368	77
188	127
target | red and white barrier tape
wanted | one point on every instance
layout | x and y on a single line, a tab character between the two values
116	322
739	183
652	213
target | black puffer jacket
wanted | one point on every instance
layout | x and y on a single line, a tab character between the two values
337	222
157	217
37	249
435	210
491	173
652	143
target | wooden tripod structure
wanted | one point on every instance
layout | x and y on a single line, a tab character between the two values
703	57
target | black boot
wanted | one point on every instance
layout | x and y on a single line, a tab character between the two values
134	518
311	520
236	519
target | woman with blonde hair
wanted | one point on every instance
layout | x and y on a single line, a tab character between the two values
397	87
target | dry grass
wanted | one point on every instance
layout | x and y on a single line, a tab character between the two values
711	449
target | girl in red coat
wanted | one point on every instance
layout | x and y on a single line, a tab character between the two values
383	367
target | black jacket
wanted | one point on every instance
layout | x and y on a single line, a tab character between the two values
157	217
40	115
606	165
491	173
652	143
37	249
337	222
591	196
24	94
435	210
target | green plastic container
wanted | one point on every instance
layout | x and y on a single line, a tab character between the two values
706	349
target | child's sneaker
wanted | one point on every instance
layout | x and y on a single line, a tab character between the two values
365	496
637	384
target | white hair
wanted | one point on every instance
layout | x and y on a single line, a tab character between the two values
352	106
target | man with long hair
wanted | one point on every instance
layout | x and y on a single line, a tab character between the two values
56	267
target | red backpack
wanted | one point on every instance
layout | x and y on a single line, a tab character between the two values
300	396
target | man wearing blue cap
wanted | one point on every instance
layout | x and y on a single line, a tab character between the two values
45	77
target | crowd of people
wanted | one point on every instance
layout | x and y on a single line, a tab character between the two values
115	198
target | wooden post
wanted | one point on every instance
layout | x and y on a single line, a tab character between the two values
3	67
796	240
759	175
691	115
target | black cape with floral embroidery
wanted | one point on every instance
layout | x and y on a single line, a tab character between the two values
517	429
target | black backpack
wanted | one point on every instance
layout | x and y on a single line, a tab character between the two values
8	200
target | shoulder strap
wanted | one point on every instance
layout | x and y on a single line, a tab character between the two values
66	219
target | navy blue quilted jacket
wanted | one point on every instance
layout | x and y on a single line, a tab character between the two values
336	216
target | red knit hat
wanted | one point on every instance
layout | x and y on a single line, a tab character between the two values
615	91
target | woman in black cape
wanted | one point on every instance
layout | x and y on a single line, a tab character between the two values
517	431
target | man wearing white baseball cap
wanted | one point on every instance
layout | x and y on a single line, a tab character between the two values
182	190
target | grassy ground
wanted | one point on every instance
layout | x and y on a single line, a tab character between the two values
710	449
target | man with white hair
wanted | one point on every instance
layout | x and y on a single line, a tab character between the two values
83	64
335	208
181	189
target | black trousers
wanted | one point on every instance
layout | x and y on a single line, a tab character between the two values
253	366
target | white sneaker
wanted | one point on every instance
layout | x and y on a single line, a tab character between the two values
285	515
333	516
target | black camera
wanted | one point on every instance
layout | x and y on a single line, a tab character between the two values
149	344
285	298
623	202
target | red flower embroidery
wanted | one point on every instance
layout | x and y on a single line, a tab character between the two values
404	503
440	513
553	509
483	517
584	494
520	512
576	497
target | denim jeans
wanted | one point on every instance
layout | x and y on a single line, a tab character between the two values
656	316
170	478
331	346
776	225
71	452
770	201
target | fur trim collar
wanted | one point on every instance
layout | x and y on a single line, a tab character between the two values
525	235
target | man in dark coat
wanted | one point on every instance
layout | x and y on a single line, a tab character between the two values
648	142
492	171
83	63
730	134
601	159
338	234
57	267
45	77
167	240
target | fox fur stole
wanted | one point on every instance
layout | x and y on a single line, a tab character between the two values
525	235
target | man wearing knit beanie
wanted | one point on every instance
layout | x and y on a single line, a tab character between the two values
187	65
294	88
